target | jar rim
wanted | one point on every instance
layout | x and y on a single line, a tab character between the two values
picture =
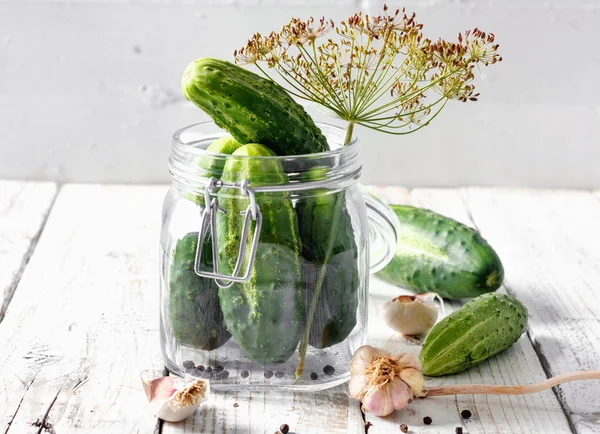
339	165
181	145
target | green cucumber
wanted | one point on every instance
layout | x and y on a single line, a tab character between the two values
437	254
213	166
223	145
335	313
265	314
194	314
481	328
251	108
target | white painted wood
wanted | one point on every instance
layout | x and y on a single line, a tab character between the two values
83	321
264	412
24	207
549	242
517	365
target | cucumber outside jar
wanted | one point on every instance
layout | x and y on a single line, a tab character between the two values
249	336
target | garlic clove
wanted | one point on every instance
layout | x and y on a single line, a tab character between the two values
414	379
406	360
411	315
378	401
401	395
174	399
383	400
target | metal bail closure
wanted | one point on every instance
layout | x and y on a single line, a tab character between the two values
208	222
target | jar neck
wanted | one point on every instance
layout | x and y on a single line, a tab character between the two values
191	166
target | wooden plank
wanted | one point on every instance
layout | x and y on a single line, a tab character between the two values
517	365
84	319
549	243
264	412
24	207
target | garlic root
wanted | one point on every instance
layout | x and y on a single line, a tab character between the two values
484	389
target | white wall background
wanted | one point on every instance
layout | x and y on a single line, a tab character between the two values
89	89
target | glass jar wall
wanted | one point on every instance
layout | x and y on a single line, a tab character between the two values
265	264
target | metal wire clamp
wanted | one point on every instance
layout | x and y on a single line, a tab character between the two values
208	221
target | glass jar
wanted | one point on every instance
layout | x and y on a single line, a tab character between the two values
276	295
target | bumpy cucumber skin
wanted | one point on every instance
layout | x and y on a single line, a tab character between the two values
265	314
480	329
194	313
335	315
251	108
438	254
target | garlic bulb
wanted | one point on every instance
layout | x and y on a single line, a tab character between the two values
384	382
411	315
174	399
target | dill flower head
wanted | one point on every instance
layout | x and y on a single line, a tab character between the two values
375	71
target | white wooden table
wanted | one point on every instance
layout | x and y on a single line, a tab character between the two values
79	311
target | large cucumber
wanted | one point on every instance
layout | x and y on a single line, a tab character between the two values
251	108
265	314
481	328
437	254
194	313
335	313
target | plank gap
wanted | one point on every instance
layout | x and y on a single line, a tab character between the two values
12	287
18	407
536	346
546	367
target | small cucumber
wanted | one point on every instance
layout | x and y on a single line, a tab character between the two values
194	313
223	145
437	254
251	108
481	328
265	314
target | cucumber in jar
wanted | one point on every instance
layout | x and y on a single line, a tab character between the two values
335	312
264	314
195	316
194	311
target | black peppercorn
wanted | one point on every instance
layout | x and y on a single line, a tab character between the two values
458	430
279	374
224	375
328	370
245	374
465	414
197	372
284	428
314	376
188	365
268	374
427	420
218	368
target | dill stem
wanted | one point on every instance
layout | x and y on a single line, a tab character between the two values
349	131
